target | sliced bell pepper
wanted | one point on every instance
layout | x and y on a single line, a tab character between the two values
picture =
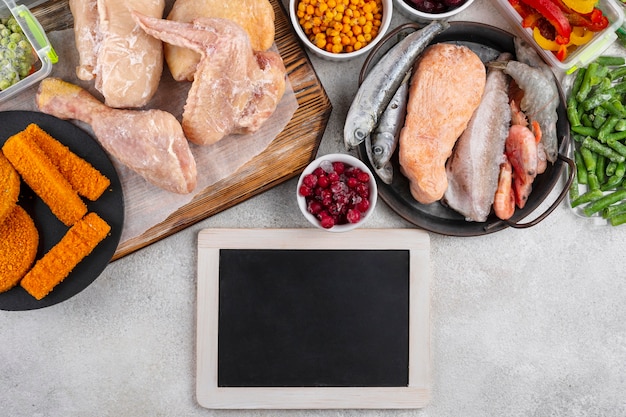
553	14
580	36
559	50
581	6
595	21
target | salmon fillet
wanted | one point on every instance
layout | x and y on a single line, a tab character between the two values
79	241
446	89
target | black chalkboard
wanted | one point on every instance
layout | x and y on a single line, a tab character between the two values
307	319
313	318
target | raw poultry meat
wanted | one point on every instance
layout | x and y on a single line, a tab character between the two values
126	62
235	90
150	142
256	17
446	88
474	166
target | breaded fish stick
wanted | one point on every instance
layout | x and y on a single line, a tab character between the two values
79	241
44	178
84	178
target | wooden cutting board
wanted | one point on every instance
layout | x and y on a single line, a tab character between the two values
284	158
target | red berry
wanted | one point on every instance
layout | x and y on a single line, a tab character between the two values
318	172
353	216
363	190
310	180
363	205
352	182
363	177
339	167
327	222
333	177
305	191
314	207
323	181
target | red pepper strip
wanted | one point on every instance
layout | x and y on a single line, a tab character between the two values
595	21
561	54
553	14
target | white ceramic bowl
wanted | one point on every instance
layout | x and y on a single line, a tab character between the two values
347	160
416	15
345	56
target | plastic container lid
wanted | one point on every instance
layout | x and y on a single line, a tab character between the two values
38	40
584	54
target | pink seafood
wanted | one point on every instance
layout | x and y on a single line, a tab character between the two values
504	199
521	150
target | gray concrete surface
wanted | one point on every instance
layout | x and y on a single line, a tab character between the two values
524	322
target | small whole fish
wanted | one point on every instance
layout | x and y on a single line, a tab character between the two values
383	81
383	141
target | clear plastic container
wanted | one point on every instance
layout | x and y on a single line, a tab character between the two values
46	56
584	54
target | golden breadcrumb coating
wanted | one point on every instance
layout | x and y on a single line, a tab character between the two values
18	247
84	178
79	241
38	171
9	187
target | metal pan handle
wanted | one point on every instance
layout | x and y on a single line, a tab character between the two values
572	169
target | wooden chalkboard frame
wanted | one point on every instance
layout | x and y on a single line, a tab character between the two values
415	395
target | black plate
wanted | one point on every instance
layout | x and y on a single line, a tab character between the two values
110	206
487	41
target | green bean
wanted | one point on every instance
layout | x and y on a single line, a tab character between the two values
585	131
614	107
601	162
617	73
605	201
617	146
581	170
592	181
578	80
617	219
607	127
620	126
574	189
611	60
585	86
587	197
614	209
589	157
610	168
601	111
597	123
596	100
601	149
572	112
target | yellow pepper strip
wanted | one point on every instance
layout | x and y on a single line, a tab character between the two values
543	42
580	35
581	6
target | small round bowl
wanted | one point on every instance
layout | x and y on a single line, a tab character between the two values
343	56
418	16
348	160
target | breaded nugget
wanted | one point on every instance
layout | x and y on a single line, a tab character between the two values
84	178
9	187
38	171
79	241
18	247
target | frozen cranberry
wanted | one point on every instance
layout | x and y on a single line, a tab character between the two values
363	190
363	205
363	177
305	191
314	207
339	166
318	171
352	182
323	181
310	180
353	216
327	222
333	177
